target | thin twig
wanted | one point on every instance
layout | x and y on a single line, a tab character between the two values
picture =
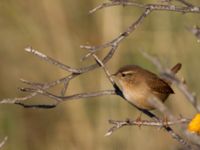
157	104
104	68
189	8
3	142
70	97
166	73
65	86
195	31
68	68
171	132
115	42
51	60
38	106
60	99
186	3
118	124
46	86
191	97
161	107
43	86
42	89
153	59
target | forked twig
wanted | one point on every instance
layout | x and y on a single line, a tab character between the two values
115	42
39	88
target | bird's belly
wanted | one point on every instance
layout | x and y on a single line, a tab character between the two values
139	99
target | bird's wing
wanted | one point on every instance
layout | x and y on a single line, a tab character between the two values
159	85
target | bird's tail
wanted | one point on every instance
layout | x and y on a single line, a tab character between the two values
176	68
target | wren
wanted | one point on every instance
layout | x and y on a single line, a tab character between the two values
138	85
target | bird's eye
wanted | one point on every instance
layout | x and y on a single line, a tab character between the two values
123	74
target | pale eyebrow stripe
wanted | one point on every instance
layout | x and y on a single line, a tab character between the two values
129	72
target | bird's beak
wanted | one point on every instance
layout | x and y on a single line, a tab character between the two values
113	75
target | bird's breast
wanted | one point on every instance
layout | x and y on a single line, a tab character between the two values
138	96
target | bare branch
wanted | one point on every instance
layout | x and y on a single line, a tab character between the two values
153	59
35	89
65	86
115	42
195	138
184	89
104	68
40	89
43	86
119	124
148	8
70	97
189	8
51	60
67	68
46	86
186	3
60	99
161	107
158	105
196	32
3	142
38	106
166	73
17	99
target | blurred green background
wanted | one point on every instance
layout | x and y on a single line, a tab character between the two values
57	28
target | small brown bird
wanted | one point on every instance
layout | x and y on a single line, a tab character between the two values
138	84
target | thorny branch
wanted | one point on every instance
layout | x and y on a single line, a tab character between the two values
35	89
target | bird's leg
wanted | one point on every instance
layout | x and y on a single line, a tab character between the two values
139	117
165	121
